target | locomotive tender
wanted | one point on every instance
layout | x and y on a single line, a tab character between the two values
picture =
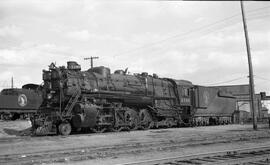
18	103
98	100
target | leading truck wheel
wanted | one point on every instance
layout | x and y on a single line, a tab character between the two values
64	129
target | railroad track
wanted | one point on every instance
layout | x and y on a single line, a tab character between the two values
76	154
245	156
89	153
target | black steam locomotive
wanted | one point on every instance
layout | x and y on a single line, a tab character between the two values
98	100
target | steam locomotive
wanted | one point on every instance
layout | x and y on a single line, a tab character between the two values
21	103
98	100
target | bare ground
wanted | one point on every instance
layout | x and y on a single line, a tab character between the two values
117	148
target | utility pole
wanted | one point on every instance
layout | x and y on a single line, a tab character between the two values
91	60
12	83
251	80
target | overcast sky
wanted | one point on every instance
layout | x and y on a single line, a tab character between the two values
198	41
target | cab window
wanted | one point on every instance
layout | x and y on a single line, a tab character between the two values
185	92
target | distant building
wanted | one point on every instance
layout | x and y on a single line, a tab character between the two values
242	108
264	113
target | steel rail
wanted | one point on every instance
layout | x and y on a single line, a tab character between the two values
87	152
197	156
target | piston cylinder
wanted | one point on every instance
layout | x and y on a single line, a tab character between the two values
84	116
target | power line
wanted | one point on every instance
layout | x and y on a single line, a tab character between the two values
259	16
176	36
186	33
256	76
232	80
258	9
202	35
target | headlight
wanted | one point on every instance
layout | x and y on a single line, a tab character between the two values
49	96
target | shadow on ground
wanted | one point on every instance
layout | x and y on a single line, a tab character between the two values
15	132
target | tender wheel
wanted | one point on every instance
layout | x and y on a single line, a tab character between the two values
145	119
15	116
64	129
